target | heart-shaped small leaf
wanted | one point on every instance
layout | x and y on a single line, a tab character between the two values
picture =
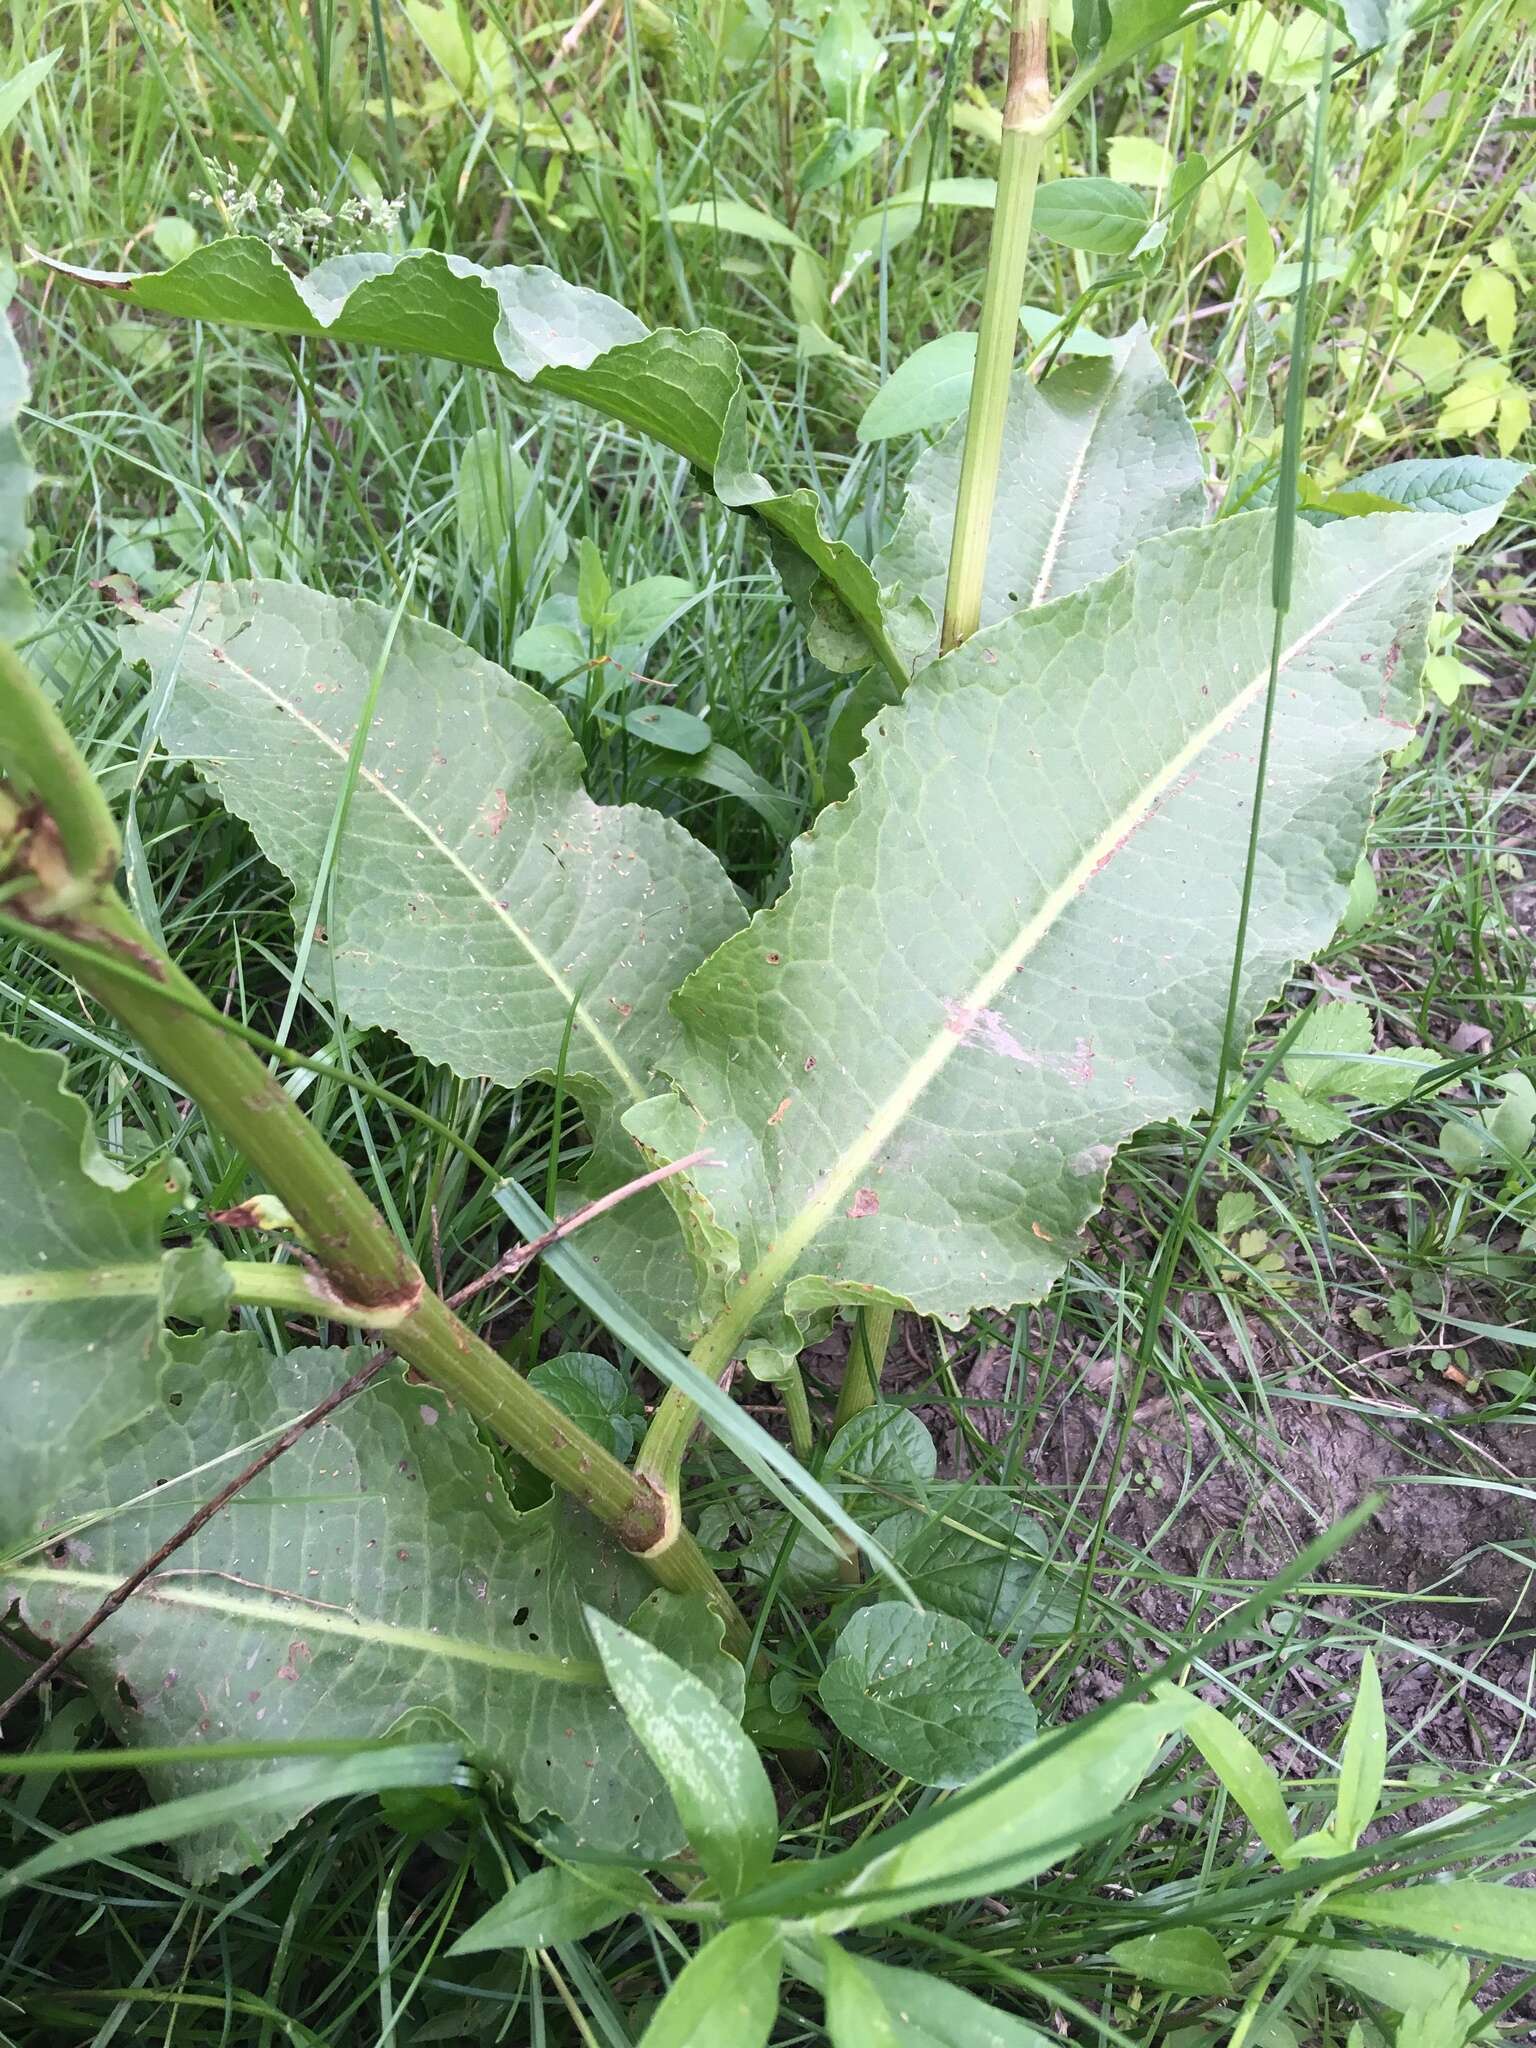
926	1695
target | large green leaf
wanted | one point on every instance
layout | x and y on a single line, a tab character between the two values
478	897
1096	457
684	389
81	1280
376	1577
1011	947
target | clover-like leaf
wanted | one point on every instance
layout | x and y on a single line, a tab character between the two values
1334	1054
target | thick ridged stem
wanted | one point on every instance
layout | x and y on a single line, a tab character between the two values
373	1280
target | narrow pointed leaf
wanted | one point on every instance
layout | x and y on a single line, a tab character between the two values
1363	1765
1451	483
1247	1774
558	1903
770	1462
1489	1919
931	388
918	1064
683	389
1013	1823
734	217
247	1800
713	1771
1096	458
374	1577
729	1992
81	1280
877	2005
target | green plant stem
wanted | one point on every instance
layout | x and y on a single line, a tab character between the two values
866	1358
1284	556
288	1288
363	1260
1026	125
1276	1955
370	1271
374	1281
38	747
797	1408
660	1462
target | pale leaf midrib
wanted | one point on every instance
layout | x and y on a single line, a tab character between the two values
380	787
79	1283
293	1615
799	1231
1074	484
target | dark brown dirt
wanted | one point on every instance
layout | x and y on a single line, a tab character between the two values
1445	1569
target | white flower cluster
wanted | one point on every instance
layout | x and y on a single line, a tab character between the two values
264	208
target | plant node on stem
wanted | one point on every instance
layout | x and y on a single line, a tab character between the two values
369	1277
1028	121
